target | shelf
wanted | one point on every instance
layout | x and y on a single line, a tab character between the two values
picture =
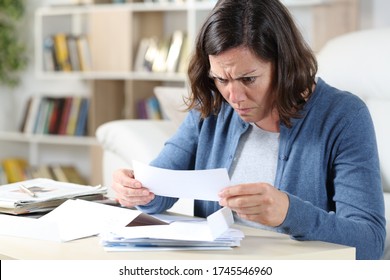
48	139
139	76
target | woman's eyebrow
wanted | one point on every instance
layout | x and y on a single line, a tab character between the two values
212	74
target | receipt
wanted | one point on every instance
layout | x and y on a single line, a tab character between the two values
193	184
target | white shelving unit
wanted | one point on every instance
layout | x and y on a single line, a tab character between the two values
115	31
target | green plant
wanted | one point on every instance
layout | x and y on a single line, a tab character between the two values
12	51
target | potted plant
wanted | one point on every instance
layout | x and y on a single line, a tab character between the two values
12	51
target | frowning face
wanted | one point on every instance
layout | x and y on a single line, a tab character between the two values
245	81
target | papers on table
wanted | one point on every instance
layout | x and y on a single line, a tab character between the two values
73	219
123	228
214	233
194	184
40	195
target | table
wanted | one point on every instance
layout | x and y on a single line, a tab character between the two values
257	244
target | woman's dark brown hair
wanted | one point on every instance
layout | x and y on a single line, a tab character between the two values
268	30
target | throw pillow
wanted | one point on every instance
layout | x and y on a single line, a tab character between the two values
172	102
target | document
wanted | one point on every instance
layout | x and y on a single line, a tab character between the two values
193	184
42	195
73	219
122	228
214	233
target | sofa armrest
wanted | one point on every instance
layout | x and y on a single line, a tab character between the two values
135	139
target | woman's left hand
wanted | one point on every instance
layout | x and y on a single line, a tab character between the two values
257	202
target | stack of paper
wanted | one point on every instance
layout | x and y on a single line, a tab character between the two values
214	233
42	195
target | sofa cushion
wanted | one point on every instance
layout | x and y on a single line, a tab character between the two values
136	139
172	102
358	62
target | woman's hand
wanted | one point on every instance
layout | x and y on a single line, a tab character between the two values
258	202
129	191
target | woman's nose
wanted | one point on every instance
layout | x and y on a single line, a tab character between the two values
236	92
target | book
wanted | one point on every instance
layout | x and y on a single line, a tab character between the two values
49	58
59	173
81	125
150	54
41	117
41	195
73	52
73	175
153	109
55	118
175	49
184	56
32	113
140	58
65	115
73	115
48	113
25	114
61	52
84	53
14	169
160	61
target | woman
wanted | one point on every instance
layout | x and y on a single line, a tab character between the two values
301	155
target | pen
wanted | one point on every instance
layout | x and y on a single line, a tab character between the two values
27	191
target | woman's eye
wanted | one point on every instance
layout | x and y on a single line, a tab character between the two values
220	80
248	80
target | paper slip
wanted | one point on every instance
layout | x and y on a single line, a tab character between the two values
193	184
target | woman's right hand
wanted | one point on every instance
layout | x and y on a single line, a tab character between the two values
129	191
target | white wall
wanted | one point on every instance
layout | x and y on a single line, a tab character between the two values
374	13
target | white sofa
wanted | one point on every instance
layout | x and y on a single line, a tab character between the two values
358	62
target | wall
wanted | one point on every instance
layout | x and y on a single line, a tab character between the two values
374	13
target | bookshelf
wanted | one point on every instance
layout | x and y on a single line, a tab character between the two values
114	32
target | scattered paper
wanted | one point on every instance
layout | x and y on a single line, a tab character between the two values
193	184
73	219
211	234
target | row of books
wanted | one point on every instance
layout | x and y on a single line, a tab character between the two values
149	108
167	55
14	170
66	52
56	115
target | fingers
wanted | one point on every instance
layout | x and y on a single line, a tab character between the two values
259	202
244	189
129	191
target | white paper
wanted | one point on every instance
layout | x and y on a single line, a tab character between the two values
193	184
189	231
29	228
71	220
45	189
80	218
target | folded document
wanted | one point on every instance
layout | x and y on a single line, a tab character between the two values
122	228
42	195
213	233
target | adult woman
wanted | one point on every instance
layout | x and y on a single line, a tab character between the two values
302	155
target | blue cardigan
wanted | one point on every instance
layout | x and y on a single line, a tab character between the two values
328	165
